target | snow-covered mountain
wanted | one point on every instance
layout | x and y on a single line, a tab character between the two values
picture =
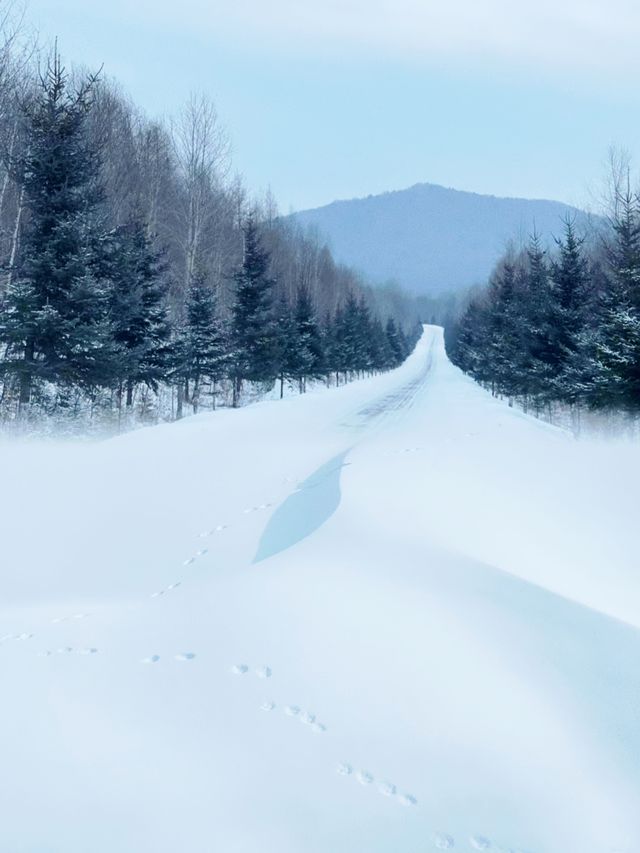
430	238
393	617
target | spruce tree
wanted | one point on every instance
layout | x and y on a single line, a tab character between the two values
307	357
138	308
503	342
538	364
379	349
613	352
569	300
287	358
56	325
254	339
395	351
203	345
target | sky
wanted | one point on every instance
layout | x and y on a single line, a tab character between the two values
327	99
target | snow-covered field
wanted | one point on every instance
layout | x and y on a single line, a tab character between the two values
392	617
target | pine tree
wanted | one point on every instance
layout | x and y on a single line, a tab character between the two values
56	325
353	336
613	351
471	342
331	335
569	300
395	350
538	367
138	288
503	340
254	339
307	357
204	351
286	343
379	347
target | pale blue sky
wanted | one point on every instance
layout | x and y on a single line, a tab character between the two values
340	98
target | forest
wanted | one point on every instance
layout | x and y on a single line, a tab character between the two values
557	329
140	280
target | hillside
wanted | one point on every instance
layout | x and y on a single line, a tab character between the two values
429	238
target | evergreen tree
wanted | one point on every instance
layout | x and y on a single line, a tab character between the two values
352	336
470	352
138	289
613	352
307	357
254	339
333	349
56	324
379	347
201	351
538	368
570	278
503	341
287	343
394	351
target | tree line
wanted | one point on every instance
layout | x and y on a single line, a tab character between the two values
134	266
561	328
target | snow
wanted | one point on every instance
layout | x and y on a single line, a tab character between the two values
392	616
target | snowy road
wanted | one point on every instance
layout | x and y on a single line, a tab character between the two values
389	618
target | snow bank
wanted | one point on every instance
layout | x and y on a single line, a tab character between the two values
393	616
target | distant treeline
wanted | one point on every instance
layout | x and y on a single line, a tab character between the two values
134	267
562	328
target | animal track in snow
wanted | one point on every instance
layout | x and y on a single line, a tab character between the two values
170	588
443	842
305	717
268	706
259	671
69	650
387	789
251	509
218	529
7	638
74	616
181	656
191	560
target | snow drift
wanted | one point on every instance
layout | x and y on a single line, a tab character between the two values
394	616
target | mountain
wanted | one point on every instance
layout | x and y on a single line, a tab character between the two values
430	238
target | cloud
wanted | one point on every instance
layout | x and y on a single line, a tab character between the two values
554	35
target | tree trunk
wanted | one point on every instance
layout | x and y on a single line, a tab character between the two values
195	395
26	378
237	387
179	402
15	237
